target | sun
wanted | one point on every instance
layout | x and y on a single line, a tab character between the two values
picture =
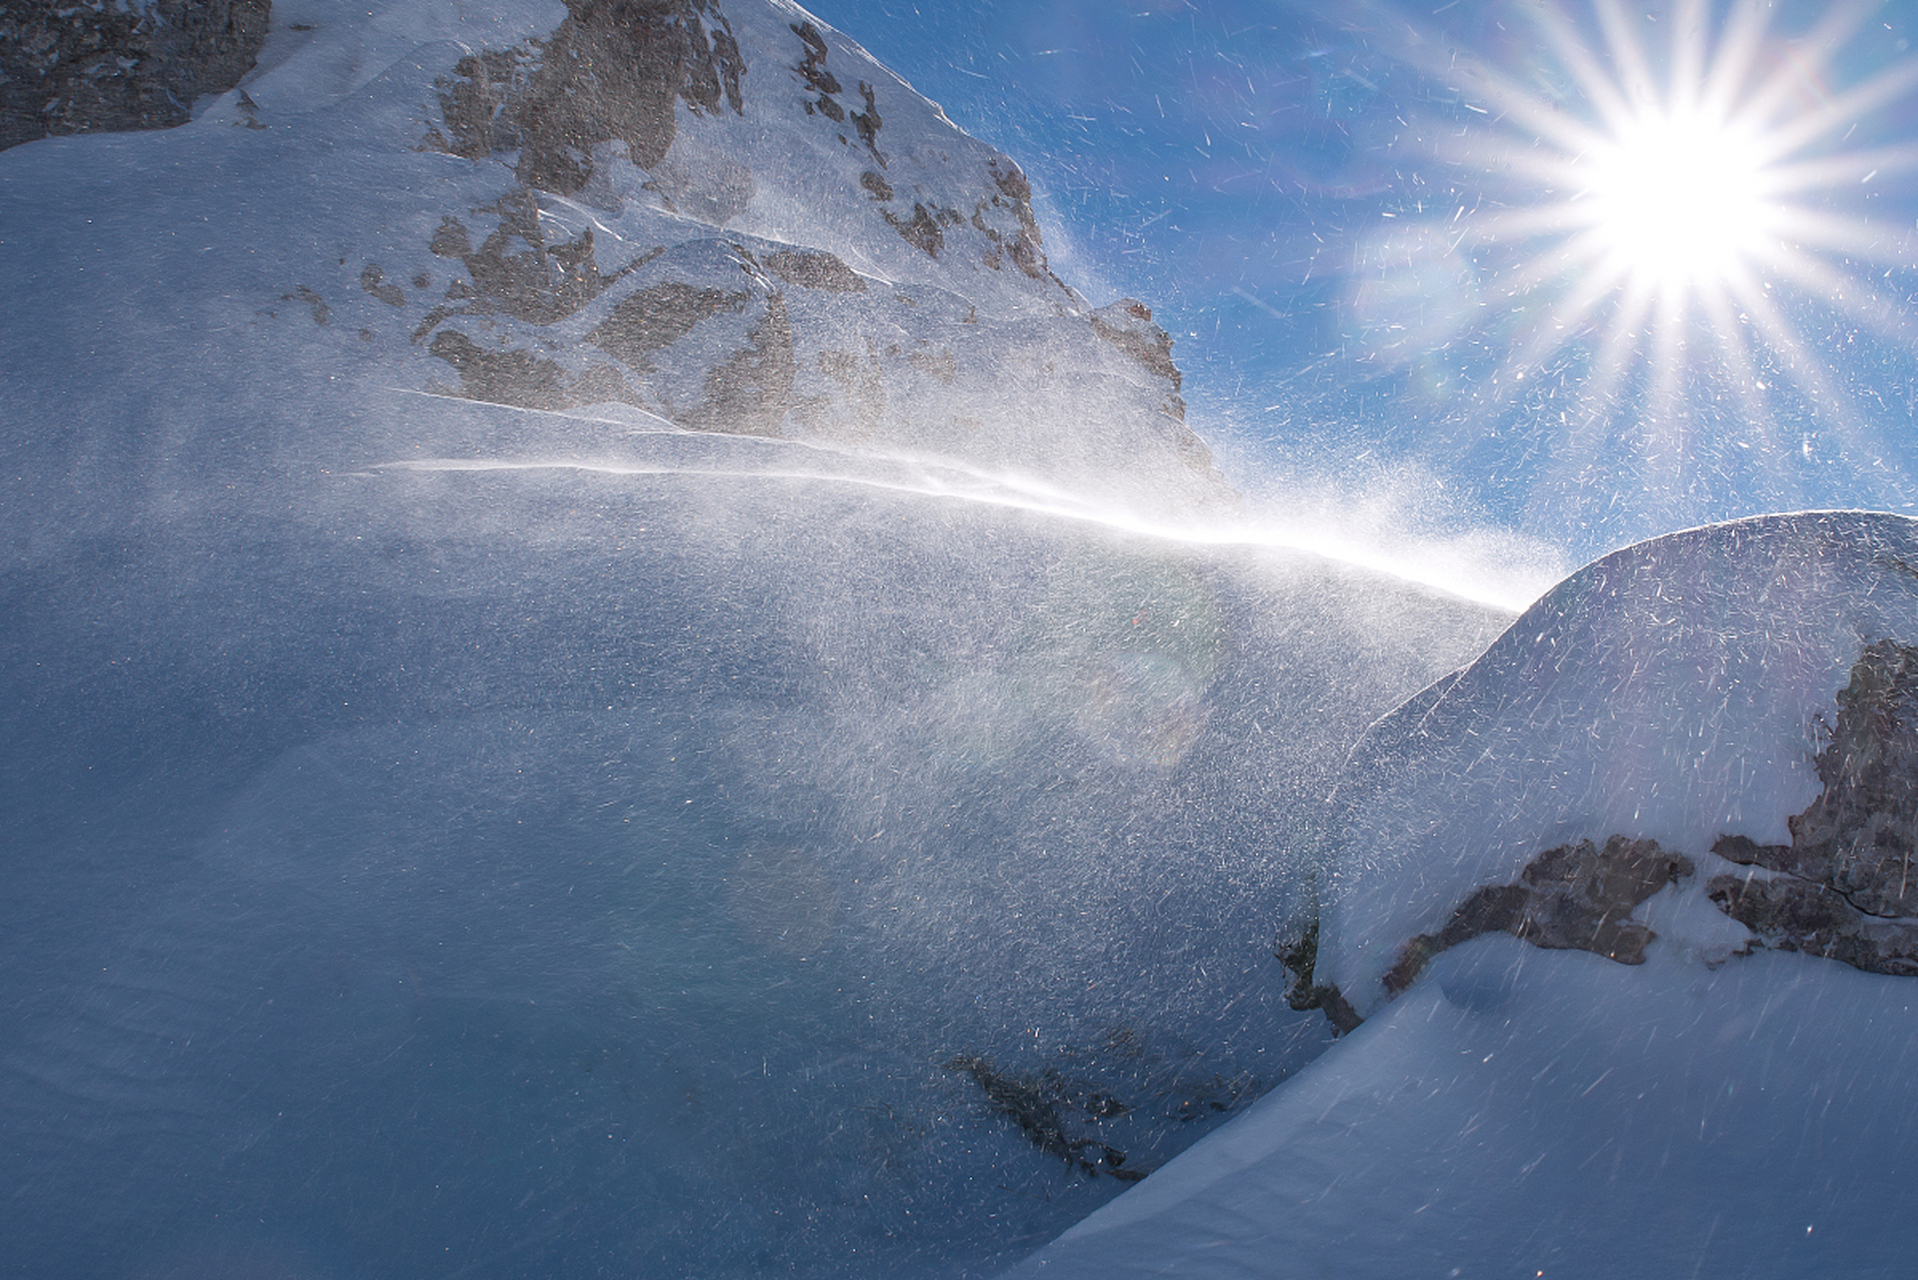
1658	198
1679	200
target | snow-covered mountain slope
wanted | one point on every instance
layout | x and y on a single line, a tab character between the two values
660	875
622	219
553	719
1524	1112
1626	905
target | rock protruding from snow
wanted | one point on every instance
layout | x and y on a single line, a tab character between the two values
1577	897
94	66
721	214
732	218
1844	887
1668	700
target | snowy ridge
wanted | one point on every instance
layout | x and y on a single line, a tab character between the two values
1673	691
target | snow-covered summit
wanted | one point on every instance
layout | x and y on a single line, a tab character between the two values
717	216
1671	726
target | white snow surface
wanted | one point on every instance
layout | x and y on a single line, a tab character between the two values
1552	1114
1673	690
453	836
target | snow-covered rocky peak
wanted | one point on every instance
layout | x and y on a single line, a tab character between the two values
1704	739
708	216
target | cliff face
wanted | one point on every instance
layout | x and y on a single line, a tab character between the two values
738	222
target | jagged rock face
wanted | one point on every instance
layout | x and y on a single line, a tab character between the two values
94	66
715	215
1575	897
727	217
1843	887
612	72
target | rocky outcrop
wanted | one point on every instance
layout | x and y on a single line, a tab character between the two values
649	148
1127	324
1843	887
93	66
1576	897
612	72
1115	1108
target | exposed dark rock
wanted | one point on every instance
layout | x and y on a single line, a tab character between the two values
812	70
749	392
868	123
1858	836
96	67
1576	897
921	231
373	280
658	316
1055	1115
315	303
451	240
1012	184
1843	887
1127	325
1016	193
502	377
814	270
1117	1107
1789	914
521	378
516	271
876	184
1301	959
611	73
825	86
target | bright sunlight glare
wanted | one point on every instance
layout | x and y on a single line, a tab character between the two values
1678	200
1663	216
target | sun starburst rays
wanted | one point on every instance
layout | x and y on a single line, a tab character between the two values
1658	223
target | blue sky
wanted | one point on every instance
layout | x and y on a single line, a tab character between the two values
1283	183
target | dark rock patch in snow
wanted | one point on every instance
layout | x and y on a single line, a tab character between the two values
612	72
1789	914
1843	887
1576	897
86	68
814	271
1858	837
658	316
1118	1107
1054	1114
